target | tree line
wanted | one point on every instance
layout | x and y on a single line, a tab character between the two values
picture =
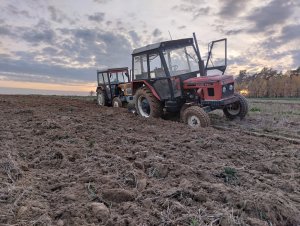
269	83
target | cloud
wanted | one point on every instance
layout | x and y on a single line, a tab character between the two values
200	11
98	17
24	70
65	53
49	51
5	31
193	9
135	38
296	58
102	1
56	14
35	37
290	32
156	32
13	10
59	16
275	13
40	33
231	8
234	31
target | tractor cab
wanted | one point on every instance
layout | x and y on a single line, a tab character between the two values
114	87
171	76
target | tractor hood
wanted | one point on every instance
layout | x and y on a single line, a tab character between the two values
209	79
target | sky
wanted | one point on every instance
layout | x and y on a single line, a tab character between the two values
59	45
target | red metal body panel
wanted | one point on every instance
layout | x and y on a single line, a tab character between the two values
203	83
138	84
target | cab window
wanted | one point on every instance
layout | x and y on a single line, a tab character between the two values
156	68
140	67
113	77
100	78
105	77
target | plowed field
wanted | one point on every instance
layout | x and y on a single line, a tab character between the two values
69	162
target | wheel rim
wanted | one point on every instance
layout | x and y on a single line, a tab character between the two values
116	104
100	99
193	121
233	109
143	106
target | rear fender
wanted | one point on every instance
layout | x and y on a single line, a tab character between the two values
99	88
139	84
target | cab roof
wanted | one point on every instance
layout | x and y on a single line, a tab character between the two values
165	44
113	69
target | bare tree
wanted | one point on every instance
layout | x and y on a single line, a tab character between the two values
92	93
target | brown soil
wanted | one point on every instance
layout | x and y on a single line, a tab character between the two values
70	162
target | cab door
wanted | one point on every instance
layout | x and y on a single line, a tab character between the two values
217	56
107	87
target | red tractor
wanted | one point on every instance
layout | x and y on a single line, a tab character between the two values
170	76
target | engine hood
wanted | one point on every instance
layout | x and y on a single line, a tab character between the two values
209	79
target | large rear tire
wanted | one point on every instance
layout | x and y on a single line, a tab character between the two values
195	117
101	100
146	104
237	109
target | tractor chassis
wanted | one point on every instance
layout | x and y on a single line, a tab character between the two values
210	105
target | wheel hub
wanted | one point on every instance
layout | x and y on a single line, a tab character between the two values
116	104
194	121
233	109
143	106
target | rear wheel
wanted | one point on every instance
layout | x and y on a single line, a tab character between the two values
195	117
117	102
237	109
101	98
146	104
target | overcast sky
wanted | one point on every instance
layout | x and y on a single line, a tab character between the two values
60	44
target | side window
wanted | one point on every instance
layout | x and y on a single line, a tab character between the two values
126	77
121	77
113	77
105	77
100	78
140	67
156	68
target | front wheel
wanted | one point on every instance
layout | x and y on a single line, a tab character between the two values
117	103
146	104
237	109
195	117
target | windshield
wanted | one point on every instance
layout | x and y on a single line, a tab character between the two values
181	60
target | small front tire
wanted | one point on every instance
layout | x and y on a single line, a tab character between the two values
195	117
237	109
117	102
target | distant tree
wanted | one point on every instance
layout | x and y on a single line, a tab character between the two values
92	93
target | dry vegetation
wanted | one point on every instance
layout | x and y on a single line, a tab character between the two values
270	83
68	162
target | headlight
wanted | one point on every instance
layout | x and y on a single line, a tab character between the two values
224	89
230	87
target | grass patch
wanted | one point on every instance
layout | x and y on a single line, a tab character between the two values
229	175
255	109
